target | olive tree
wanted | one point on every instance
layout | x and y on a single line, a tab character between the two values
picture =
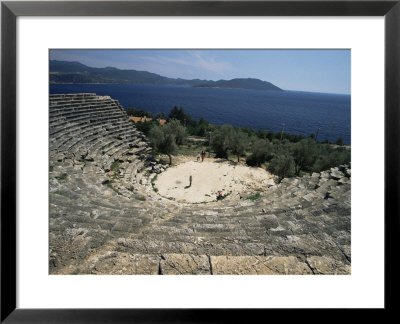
174	128
261	151
221	140
239	143
304	155
282	166
163	142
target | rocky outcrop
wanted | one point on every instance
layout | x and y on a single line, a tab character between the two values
105	217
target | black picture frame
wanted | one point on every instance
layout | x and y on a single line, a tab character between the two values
10	10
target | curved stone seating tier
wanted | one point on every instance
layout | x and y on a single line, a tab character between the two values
90	126
90	135
103	109
100	119
74	99
306	233
84	108
106	217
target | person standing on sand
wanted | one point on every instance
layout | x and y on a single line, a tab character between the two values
203	155
190	181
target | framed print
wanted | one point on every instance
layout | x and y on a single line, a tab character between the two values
110	205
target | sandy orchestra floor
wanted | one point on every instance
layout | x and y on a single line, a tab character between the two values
209	177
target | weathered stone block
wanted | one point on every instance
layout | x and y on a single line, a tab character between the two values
261	265
327	266
172	264
125	264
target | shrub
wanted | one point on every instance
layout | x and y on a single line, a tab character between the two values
141	198
282	166
254	196
146	126
249	131
261	151
304	155
340	141
331	159
138	113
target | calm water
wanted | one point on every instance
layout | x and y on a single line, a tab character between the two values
300	112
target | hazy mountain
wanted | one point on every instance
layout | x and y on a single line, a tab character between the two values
248	83
75	72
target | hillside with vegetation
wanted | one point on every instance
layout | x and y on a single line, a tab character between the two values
75	72
283	154
248	83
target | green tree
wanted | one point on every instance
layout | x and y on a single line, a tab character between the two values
168	146
261	151
304	155
331	157
156	136
221	140
282	166
202	121
239	143
262	133
249	131
161	115
163	142
270	135
138	112
145	127
174	127
177	113
201	128
340	141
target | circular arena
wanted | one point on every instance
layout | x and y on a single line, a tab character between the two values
110	214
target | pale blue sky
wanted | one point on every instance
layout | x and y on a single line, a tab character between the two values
303	70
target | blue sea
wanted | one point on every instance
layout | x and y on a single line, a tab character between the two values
297	112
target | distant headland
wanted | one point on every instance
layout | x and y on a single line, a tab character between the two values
75	72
